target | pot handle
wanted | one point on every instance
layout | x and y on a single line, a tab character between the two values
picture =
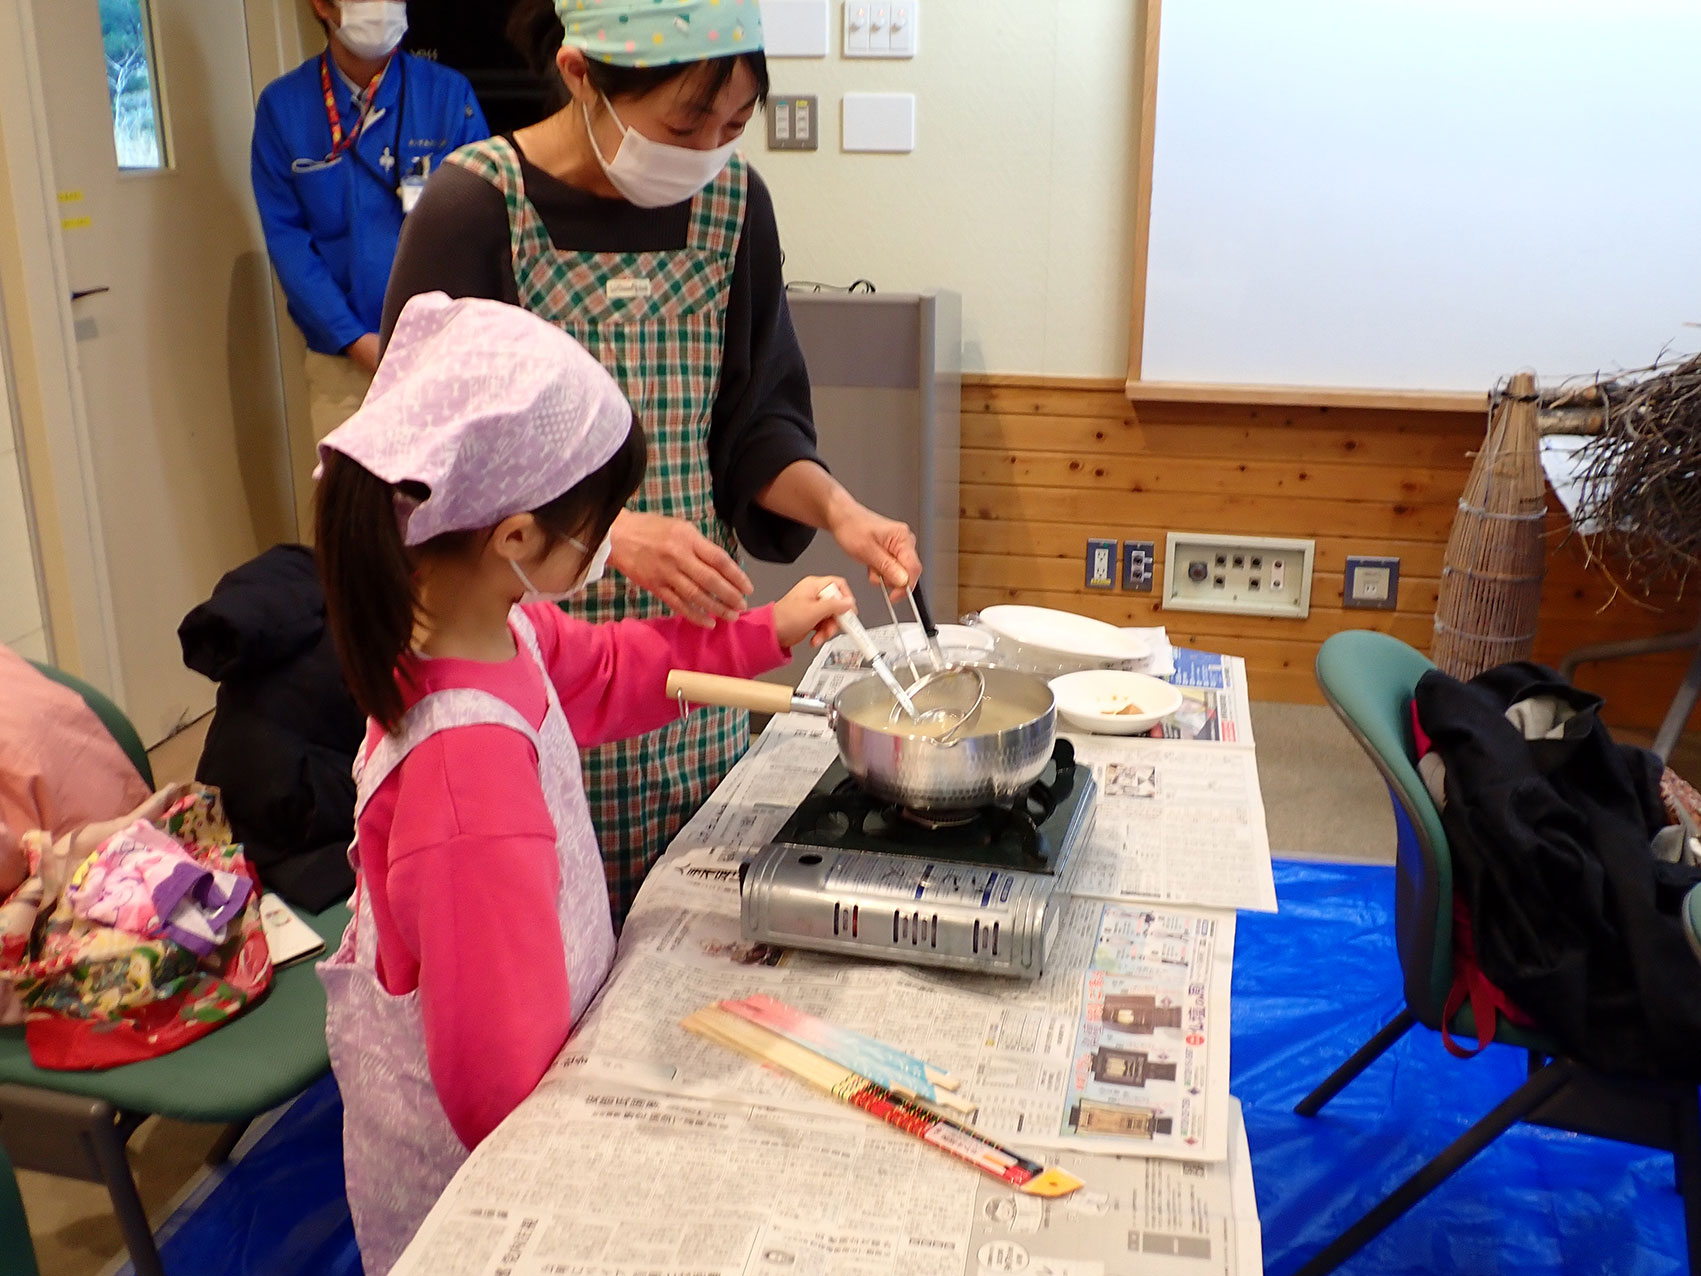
690	687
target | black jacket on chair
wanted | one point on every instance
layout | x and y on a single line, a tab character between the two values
283	738
1573	916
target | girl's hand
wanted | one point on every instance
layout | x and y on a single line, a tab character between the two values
883	545
803	612
671	559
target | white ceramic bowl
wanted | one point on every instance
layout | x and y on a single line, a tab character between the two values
1063	637
1114	701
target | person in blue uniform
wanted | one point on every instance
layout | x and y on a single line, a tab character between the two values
342	147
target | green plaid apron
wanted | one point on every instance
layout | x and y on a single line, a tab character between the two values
654	320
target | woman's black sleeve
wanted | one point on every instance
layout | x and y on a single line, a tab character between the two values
455	241
763	420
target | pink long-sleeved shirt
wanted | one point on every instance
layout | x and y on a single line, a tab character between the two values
457	848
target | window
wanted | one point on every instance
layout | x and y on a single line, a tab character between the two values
131	83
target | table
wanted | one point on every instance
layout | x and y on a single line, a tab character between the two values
649	1150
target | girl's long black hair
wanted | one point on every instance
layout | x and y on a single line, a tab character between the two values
371	594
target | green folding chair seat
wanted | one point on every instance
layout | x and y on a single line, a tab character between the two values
76	1124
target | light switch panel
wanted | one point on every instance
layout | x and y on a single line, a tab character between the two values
857	14
795	28
879	122
879	28
901	29
792	123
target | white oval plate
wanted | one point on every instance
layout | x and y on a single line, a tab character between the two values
1063	633
1093	700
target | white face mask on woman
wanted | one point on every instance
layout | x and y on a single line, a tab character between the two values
654	174
372	29
593	573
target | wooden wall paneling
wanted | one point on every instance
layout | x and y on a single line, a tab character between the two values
1048	464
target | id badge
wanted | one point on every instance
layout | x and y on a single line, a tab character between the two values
410	191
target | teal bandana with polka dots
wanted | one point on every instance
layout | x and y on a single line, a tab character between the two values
660	32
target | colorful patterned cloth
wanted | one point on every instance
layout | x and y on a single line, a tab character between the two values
141	881
655	321
660	32
95	996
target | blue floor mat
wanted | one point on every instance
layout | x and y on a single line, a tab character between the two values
1311	984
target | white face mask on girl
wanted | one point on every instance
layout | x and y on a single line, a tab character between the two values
653	174
373	28
593	573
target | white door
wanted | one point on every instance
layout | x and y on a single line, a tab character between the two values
172	302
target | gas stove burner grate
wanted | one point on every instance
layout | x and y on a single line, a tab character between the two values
841	815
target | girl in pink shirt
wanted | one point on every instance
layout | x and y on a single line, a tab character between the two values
476	485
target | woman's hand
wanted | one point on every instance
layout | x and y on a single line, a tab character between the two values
671	559
883	545
804	613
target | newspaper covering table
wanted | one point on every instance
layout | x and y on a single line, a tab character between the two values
594	1177
1180	811
648	1151
1122	1044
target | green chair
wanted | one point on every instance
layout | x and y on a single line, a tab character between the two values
76	1124
1692	920
1369	679
17	1253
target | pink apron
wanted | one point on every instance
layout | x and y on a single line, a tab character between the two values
399	1150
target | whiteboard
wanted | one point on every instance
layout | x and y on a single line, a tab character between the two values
1423	195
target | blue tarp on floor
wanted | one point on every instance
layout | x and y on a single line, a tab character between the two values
1310	985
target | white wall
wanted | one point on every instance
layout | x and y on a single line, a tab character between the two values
22	623
1019	194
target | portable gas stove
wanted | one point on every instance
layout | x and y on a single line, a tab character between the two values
973	890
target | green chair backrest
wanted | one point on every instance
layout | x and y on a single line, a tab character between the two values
1368	678
110	715
17	1252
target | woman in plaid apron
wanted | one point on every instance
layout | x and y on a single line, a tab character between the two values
626	218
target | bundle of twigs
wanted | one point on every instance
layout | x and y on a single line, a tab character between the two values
1641	473
1491	577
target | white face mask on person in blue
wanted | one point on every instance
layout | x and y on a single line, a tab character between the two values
371	29
594	569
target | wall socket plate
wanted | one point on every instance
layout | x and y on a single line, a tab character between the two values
793	122
1371	583
1139	559
1246	575
1101	564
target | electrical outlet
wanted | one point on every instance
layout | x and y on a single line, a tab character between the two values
1101	564
1372	583
1138	559
1249	575
792	122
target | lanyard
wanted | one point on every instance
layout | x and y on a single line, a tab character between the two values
339	141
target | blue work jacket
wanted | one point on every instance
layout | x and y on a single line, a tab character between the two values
332	223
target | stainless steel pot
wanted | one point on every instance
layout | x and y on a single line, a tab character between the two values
978	768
